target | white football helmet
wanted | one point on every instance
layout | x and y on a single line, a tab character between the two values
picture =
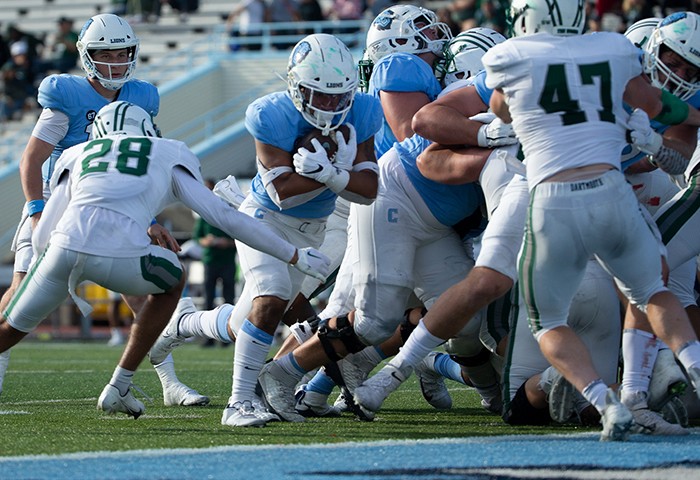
123	118
679	32
322	80
463	53
558	17
408	29
640	31
107	32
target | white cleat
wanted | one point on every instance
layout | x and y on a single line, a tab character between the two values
354	368
180	394
432	384
278	391
651	423
617	420
111	402
242	414
561	399
667	380
372	393
313	404
170	339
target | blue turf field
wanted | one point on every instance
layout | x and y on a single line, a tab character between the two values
565	456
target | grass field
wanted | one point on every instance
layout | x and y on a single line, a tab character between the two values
48	406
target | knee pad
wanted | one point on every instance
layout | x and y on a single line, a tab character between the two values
521	412
481	358
343	332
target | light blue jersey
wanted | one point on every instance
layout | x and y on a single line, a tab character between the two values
74	96
484	92
400	72
448	203
273	120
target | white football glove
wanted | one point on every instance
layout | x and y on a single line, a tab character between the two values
229	190
313	262
347	151
494	133
315	165
641	134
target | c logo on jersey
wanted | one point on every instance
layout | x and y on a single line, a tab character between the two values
259	213
300	53
392	215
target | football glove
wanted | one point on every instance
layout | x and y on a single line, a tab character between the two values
347	151
312	262
641	134
316	166
494	133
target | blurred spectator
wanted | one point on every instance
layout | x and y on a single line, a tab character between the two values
491	14
115	320
310	11
463	11
250	14
184	7
34	44
346	10
378	6
64	52
634	10
283	11
4	50
18	81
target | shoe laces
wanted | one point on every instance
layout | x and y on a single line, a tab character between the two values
142	392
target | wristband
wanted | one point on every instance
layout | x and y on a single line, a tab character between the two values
34	207
339	181
673	110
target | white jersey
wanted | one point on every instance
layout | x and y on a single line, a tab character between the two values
564	94
125	180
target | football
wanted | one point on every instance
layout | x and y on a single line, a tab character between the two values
327	141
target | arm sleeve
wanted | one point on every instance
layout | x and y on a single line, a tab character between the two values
218	213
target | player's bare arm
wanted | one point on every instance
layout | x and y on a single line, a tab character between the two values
399	108
34	156
287	184
452	165
499	106
446	120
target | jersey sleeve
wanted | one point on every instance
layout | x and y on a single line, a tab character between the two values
267	121
401	72
55	94
498	63
366	116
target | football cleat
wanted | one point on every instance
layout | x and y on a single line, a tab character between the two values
111	402
432	384
561	398
651	423
278	391
372	393
354	368
667	380
242	414
313	404
617	420
170	339
180	394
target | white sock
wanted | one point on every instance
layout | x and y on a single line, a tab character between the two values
166	371
595	394
419	344
207	324
689	355
639	351
252	347
121	378
290	366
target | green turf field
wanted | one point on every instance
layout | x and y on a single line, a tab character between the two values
48	406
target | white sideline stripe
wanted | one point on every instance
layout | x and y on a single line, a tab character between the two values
13	412
55	400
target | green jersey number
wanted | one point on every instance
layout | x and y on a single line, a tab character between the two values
132	159
556	98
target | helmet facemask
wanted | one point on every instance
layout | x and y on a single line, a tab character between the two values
680	34
108	80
